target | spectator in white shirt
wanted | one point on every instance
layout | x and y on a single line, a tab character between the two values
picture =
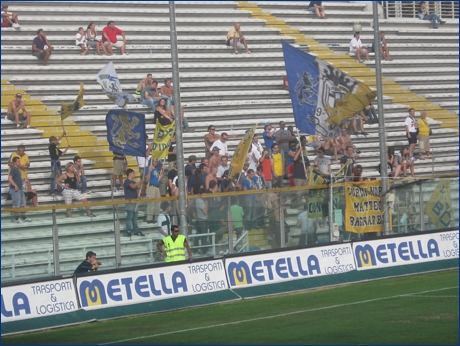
356	46
222	144
222	168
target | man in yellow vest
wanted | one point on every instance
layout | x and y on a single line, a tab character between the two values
175	246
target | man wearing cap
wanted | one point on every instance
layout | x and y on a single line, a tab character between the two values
191	165
13	111
38	47
9	19
269	135
214	160
175	245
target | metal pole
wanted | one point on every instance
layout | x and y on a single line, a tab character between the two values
330	206
116	229
230	225
382	138
178	116
282	230
57	267
422	207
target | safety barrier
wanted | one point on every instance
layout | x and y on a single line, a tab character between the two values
71	300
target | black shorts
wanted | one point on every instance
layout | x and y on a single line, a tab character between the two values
413	138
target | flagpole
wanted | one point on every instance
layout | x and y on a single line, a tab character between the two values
178	111
63	130
382	138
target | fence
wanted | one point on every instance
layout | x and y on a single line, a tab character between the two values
408	9
227	223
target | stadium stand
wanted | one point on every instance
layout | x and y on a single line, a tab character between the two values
231	92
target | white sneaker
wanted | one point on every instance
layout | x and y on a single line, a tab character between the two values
412	159
26	219
248	52
236	52
87	192
18	221
16	26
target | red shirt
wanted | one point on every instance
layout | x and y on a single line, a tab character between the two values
111	34
267	169
290	170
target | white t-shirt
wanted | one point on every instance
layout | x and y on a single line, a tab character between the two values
306	224
256	154
355	43
164	222
77	37
411	123
143	162
222	146
221	169
323	164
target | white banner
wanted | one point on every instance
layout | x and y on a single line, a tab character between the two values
38	300
108	79
407	250
287	266
146	285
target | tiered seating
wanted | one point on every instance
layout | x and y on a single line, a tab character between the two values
231	92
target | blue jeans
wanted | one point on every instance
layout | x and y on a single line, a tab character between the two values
185	124
131	218
82	187
169	100
152	103
55	173
434	19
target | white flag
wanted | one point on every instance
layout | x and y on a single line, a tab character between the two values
107	78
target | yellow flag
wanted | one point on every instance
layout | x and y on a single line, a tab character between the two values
339	177
439	206
318	178
68	109
363	207
162	140
239	156
350	104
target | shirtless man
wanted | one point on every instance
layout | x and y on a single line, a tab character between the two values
13	111
345	141
209	139
143	83
214	160
332	147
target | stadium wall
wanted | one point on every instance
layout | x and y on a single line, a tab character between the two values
63	301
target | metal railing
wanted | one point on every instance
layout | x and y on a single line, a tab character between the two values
409	9
273	224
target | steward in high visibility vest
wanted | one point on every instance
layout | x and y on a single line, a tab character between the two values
175	246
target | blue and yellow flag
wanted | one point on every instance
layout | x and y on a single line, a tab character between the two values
322	95
126	132
162	139
68	109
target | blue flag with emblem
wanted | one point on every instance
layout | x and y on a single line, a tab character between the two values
322	96
126	132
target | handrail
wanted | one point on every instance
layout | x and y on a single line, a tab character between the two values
191	197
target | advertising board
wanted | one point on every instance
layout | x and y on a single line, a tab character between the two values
290	265
38	300
407	250
140	286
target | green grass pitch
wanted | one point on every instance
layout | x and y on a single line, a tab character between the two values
416	309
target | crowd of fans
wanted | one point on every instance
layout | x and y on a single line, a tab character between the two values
284	157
